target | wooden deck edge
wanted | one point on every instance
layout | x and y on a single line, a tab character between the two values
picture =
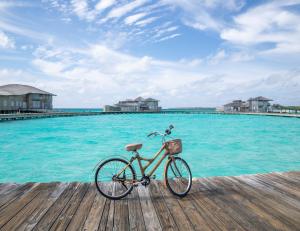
193	179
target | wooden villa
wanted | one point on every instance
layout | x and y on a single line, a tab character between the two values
17	97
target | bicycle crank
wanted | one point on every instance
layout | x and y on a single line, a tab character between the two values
145	180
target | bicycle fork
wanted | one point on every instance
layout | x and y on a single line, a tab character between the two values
176	168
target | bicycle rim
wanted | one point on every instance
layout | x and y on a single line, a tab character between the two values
109	184
178	177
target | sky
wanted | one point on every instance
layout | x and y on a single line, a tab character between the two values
186	53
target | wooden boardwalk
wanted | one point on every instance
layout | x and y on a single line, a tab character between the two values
249	202
26	116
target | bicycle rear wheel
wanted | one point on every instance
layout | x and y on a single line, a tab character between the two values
114	178
178	176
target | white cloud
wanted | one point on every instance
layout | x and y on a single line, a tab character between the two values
168	37
267	23
203	14
124	9
233	5
162	31
81	9
48	67
104	4
133	18
5	41
93	74
229	57
241	56
116	75
9	73
11	4
12	24
146	21
219	56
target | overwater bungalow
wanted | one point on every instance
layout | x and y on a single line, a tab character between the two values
258	104
17	97
236	106
134	105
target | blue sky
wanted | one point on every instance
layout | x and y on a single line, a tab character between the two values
182	52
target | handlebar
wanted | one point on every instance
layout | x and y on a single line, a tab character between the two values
167	132
151	134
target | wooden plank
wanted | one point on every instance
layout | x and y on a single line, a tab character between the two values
94	215
7	188
106	222
13	208
189	207
15	222
78	220
15	194
268	191
293	175
65	217
233	208
165	217
212	223
252	204
280	185
274	200
121	214
150	216
45	204
55	210
175	209
105	214
216	213
288	179
111	211
262	201
284	195
136	219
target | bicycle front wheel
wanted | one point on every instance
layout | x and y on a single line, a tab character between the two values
114	178
178	176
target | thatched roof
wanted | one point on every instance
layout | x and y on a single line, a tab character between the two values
19	89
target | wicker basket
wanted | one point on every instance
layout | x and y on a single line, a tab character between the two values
174	146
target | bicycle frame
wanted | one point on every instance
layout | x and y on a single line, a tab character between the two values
150	161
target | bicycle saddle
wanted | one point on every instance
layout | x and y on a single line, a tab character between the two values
133	147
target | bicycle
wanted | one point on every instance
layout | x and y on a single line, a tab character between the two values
116	177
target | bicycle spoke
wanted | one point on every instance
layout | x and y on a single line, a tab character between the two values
114	178
178	176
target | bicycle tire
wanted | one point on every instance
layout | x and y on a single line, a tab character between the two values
97	178
170	171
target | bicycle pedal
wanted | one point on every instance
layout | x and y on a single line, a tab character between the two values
154	177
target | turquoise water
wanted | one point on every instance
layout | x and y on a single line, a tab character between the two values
68	148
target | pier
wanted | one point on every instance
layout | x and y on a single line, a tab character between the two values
248	202
26	116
